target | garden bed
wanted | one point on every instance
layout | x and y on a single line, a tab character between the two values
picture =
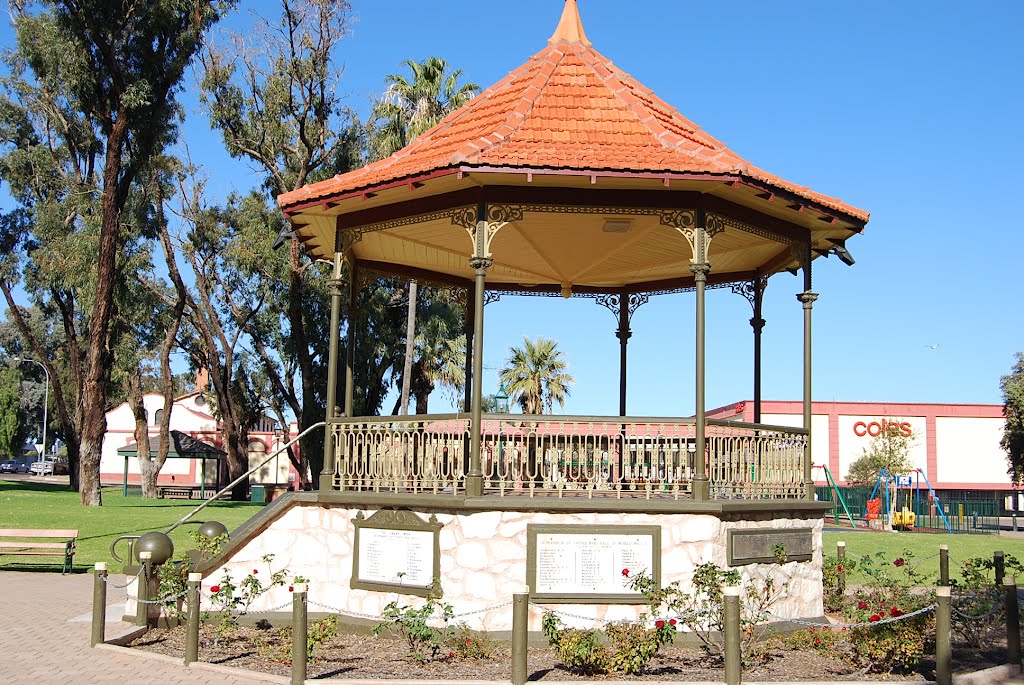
356	656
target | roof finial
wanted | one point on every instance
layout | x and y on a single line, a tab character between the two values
570	28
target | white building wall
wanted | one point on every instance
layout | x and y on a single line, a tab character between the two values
819	433
968	450
852	445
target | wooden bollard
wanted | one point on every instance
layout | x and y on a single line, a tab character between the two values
943	646
841	570
142	604
731	595
192	622
520	626
1012	622
99	604
944	565
299	634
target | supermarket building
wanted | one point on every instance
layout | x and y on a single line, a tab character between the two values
955	445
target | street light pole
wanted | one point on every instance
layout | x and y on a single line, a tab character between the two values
46	397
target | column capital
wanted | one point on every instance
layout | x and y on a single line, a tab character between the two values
808	298
757	324
480	264
623	334
700	270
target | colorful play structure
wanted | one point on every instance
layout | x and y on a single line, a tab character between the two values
903	519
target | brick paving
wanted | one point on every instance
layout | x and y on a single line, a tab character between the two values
45	624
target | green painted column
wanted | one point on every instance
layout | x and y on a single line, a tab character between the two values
757	323
623	334
700	268
327	474
807	298
99	605
475	477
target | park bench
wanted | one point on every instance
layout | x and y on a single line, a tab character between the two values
175	493
28	542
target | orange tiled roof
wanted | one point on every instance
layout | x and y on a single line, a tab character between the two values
568	107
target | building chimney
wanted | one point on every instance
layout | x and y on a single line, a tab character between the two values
202	380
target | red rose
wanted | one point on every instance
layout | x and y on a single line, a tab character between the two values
291	588
875	617
862	605
844	627
625	571
671	621
899	562
659	624
215	589
254	571
817	640
967	563
451	654
469	641
895	612
839	569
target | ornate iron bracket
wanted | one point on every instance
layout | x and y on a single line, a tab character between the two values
685	222
752	290
611	302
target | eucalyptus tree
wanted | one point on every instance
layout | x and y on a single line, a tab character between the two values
10	419
409	107
273	94
535	376
1012	386
114	66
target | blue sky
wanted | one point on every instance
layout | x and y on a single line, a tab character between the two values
910	110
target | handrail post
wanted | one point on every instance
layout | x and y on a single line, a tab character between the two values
99	604
943	648
142	602
731	595
841	570
192	625
299	634
944	565
520	621
1012	622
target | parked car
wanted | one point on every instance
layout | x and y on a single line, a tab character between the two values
42	468
12	466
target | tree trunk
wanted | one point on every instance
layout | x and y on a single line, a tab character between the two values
410	343
147	469
97	356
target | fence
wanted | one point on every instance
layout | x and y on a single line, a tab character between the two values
963	515
520	604
567	455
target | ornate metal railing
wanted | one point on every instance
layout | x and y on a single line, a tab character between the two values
567	456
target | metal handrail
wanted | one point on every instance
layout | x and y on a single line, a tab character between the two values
246	474
131	547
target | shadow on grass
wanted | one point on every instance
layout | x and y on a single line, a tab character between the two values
34	486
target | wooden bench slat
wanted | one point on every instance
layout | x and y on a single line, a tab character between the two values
33	545
36	533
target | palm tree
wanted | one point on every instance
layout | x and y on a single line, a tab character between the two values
409	107
534	376
413	105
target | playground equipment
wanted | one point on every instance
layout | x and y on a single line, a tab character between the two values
839	496
906	517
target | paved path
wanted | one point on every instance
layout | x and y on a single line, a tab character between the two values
45	624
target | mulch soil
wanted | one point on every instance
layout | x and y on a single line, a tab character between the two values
359	656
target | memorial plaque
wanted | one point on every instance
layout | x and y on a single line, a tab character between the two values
396	551
757	545
585	563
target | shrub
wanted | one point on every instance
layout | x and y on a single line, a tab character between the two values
425	642
830	570
896	645
980	614
235	599
580	650
464	643
825	640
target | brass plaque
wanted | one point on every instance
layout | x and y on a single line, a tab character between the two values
759	545
396	551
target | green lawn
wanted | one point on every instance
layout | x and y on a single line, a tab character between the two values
924	547
29	504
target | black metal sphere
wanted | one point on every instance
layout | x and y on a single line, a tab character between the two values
158	544
212	529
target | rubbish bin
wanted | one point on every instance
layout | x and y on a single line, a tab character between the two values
258	494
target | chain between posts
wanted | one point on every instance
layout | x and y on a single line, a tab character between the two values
110	583
869	624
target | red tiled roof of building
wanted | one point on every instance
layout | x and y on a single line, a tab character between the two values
568	107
